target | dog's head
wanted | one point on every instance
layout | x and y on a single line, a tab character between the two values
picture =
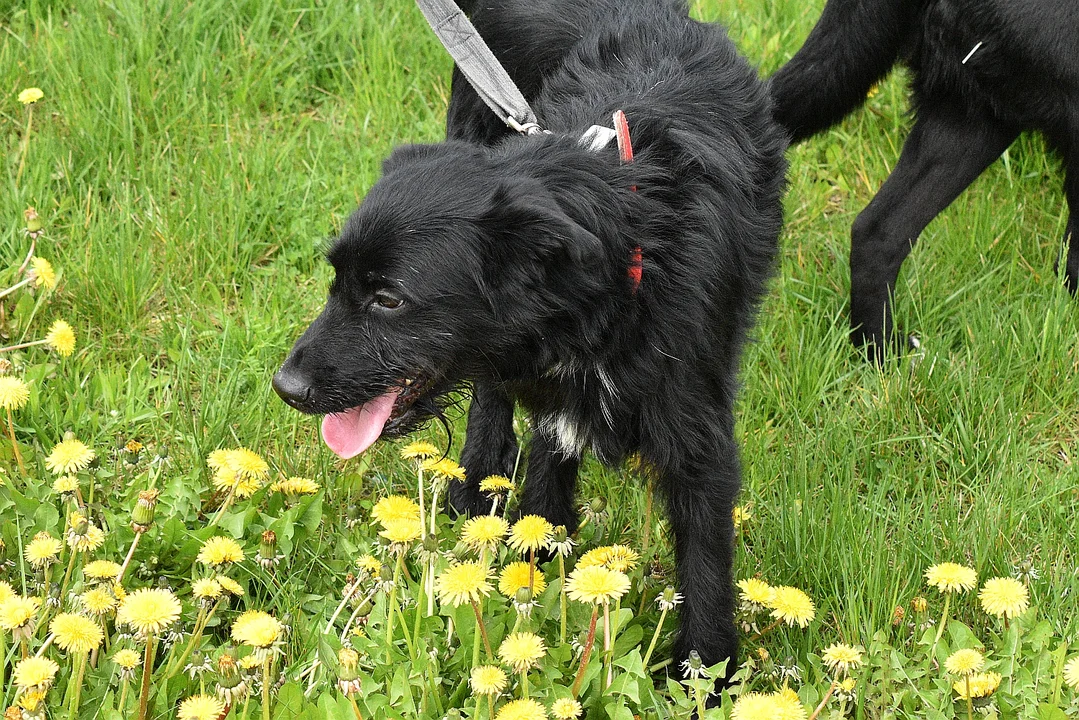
449	266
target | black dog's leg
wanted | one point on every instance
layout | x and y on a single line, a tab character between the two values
552	477
852	46
701	493
490	448
945	152
1071	234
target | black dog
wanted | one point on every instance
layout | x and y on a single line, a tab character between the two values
509	263
984	71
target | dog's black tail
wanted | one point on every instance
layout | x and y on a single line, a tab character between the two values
853	45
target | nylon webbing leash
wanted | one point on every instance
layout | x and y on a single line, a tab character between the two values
479	65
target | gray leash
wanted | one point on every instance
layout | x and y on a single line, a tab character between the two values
479	65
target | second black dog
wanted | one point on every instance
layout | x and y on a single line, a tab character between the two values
984	71
511	263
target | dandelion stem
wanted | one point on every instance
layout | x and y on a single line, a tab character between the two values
225	505
482	629
767	630
355	708
943	622
970	703
74	709
655	635
28	258
562	595
589	642
393	604
608	675
14	444
147	668
123	696
824	701
22	346
196	635
266	687
349	592
16	286
524	684
127	559
67	573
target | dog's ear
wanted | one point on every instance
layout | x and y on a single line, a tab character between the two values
524	220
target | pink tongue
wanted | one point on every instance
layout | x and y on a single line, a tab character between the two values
351	432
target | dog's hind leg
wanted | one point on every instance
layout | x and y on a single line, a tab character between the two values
945	152
1071	234
490	448
552	478
701	491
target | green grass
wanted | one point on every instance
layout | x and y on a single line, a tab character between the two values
190	161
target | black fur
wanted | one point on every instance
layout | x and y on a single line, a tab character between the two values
1023	76
511	254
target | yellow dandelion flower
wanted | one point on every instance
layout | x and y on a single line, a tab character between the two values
16	612
251	662
6	591
792	606
496	484
612	557
444	468
526	709
395	507
531	533
487	680
949	577
371	564
981	685
98	601
43	273
420	450
484	531
566	709
87	541
35	672
61	338
42	550
964	662
101	570
1004	597
229	585
741	515
522	650
403	530
148	611
1071	673
756	592
515	576
76	633
257	629
596	584
249	464
30	95
755	706
841	657
595	557
65	484
200	707
465	582
127	658
206	589
14	393
295	486
788	705
239	471
68	457
220	550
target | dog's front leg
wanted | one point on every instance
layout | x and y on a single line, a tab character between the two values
552	477
701	492
490	448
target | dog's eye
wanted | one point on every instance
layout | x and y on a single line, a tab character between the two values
387	300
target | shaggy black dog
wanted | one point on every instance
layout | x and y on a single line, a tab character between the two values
508	263
984	71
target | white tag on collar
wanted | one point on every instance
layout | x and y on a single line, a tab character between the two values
597	138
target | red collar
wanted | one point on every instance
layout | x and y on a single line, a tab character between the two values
625	152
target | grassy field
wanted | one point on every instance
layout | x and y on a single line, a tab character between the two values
190	161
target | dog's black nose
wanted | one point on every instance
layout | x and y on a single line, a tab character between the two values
292	386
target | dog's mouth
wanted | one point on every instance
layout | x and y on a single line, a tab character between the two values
349	432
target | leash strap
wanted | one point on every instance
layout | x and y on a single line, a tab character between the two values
625	152
479	65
